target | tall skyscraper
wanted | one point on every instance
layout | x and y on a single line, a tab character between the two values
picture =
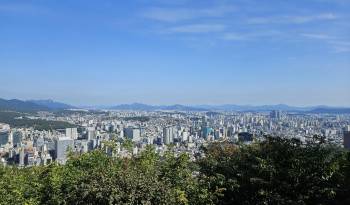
72	133
21	157
276	114
206	131
10	138
91	134
168	135
4	134
346	139
132	133
204	121
62	146
17	137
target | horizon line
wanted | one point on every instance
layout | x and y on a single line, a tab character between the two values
182	104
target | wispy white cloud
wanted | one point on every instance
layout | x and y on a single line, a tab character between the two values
296	19
227	23
165	2
197	28
318	36
180	14
306	19
235	37
337	44
258	34
341	46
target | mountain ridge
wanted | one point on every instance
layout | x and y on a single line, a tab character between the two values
32	105
21	106
51	105
231	107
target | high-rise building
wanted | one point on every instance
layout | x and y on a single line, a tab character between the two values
206	131
17	137
72	133
346	139
10	138
168	135
62	147
4	134
21	156
276	114
184	136
217	134
204	121
132	133
91	134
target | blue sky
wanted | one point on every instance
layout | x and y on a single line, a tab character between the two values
176	51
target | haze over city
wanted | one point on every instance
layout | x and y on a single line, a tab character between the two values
176	52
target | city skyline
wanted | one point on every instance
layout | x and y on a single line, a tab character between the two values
174	102
184	52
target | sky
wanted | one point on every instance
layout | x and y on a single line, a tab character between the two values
107	52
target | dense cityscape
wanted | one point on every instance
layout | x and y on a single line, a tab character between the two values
174	102
184	132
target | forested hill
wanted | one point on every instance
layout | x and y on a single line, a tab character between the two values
21	106
20	120
32	105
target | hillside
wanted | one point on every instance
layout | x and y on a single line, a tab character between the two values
32	105
52	104
21	106
20	120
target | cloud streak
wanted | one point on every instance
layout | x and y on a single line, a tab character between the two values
197	28
297	19
181	14
341	46
337	45
228	23
316	36
258	34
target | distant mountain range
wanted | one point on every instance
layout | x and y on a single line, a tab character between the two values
231	107
21	106
330	110
139	106
50	105
32	105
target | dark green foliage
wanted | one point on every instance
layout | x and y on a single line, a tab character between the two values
12	118
96	178
20	186
128	144
276	171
